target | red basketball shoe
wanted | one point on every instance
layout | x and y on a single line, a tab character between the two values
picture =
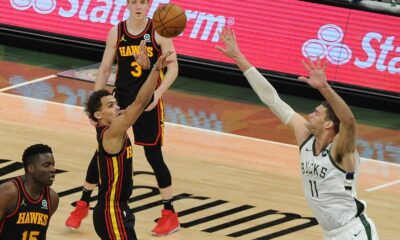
81	211
167	224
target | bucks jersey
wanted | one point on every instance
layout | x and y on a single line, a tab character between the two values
115	171
130	76
31	217
329	190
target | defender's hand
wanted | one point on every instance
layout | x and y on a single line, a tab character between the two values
317	77
231	49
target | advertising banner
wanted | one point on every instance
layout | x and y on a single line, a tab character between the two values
362	48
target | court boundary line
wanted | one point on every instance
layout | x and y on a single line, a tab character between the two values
28	82
197	129
385	185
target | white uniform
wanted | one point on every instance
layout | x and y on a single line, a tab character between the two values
331	195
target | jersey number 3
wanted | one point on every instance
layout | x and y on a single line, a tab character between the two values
32	235
137	70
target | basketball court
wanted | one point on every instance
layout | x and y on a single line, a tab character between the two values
227	185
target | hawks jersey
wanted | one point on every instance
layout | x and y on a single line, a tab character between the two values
115	171
30	219
130	76
329	190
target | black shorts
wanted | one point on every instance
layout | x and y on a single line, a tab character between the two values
148	129
114	222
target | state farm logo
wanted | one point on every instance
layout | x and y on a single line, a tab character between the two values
206	26
40	6
329	44
379	51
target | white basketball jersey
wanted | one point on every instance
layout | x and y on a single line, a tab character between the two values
329	193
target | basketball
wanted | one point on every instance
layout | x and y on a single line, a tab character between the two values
169	20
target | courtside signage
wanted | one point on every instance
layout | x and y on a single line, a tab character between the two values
362	48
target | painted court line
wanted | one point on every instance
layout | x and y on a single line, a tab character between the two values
28	82
199	129
383	186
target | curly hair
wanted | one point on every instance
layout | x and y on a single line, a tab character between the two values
30	153
93	104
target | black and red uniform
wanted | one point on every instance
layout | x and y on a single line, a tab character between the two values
112	217
31	217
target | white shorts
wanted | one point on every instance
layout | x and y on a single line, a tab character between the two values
361	228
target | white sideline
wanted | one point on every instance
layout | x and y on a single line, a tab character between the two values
28	82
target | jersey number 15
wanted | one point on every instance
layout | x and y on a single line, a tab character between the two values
32	235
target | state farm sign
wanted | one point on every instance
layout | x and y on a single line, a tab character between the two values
362	48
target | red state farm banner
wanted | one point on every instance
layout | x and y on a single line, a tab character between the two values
362	48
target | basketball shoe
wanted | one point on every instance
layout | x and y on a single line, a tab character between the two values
167	224
81	211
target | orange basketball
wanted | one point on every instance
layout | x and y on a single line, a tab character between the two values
169	20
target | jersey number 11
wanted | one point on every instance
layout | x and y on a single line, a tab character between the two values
313	186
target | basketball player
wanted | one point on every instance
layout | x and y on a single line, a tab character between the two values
329	161
112	217
123	40
27	202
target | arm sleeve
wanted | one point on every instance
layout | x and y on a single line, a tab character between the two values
268	95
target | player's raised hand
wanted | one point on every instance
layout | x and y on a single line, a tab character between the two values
142	58
317	77
231	49
161	63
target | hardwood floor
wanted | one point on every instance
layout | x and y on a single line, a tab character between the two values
227	186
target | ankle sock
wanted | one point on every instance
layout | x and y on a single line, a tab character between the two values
168	204
86	194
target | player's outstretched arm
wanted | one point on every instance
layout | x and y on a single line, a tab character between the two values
166	45
265	91
344	142
128	117
232	50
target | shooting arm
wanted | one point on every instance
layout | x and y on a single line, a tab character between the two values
132	112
